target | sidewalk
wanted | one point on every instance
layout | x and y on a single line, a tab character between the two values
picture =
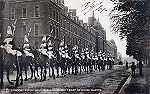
138	84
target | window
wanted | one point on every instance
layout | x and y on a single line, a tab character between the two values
24	12
36	29
37	11
13	13
24	27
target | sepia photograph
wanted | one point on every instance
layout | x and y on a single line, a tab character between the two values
74	47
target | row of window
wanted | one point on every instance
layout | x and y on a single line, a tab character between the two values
24	12
77	29
75	40
54	14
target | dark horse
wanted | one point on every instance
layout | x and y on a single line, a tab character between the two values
27	62
44	60
9	62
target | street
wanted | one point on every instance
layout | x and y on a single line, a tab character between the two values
99	82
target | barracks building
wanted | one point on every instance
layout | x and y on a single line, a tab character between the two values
51	17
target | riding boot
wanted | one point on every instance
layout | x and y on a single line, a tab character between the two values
80	69
49	71
61	71
17	80
9	79
53	75
44	74
72	70
57	72
34	75
26	75
41	74
21	83
37	72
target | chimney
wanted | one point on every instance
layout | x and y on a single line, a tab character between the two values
73	12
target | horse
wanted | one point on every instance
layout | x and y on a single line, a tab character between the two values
9	62
43	63
57	62
51	65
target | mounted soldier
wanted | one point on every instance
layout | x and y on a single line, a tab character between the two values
28	57
11	55
88	60
44	57
52	57
95	61
68	59
109	63
76	58
83	60
92	60
103	62
80	62
100	61
62	57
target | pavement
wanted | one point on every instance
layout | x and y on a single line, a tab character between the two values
138	84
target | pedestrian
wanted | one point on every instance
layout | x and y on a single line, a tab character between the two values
133	68
127	66
140	68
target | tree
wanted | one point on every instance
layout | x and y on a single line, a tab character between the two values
128	18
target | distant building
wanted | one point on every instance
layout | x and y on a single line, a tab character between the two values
100	33
111	49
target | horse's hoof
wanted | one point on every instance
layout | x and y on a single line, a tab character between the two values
16	85
11	83
25	79
54	77
21	83
57	76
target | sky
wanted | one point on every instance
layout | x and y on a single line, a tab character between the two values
103	18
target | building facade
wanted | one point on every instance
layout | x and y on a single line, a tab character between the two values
52	17
41	16
100	33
